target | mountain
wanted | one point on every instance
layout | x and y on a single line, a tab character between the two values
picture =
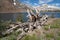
58	8
7	6
48	8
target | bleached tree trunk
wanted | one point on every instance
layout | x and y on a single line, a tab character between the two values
22	26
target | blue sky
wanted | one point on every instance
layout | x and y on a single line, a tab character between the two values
40	2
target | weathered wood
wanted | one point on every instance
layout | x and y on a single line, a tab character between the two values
27	27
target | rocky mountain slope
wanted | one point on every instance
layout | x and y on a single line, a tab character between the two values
7	6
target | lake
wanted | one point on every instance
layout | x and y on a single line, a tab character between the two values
56	14
13	16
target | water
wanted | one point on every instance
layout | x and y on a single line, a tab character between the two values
13	16
55	14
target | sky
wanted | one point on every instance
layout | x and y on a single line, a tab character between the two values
40	2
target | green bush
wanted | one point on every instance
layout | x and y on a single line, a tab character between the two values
57	38
12	36
28	37
55	25
19	18
50	35
4	25
46	27
58	33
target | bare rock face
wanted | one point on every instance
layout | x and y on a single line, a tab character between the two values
7	6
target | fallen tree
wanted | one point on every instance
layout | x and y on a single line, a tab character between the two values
35	22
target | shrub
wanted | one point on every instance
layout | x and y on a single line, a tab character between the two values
50	35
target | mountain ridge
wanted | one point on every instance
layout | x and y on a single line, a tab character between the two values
6	6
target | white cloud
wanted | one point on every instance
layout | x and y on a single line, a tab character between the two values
35	4
44	1
26	1
41	2
55	4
